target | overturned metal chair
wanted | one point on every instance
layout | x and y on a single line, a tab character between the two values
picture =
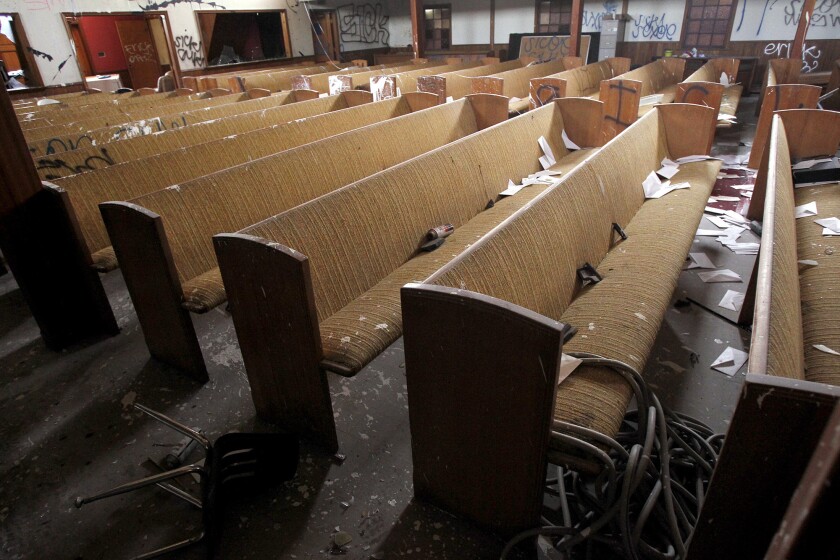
248	461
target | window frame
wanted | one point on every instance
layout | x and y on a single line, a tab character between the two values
687	19
537	13
284	23
426	27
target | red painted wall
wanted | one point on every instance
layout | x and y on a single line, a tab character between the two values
101	36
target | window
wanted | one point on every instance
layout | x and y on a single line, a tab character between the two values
707	23
438	27
554	16
230	37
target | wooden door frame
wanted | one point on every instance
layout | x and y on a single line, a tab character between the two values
335	55
170	39
154	47
22	45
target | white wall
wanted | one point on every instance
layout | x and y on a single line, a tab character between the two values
45	29
399	23
470	22
513	16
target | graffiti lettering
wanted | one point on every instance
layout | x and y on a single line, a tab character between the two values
550	47
810	54
55	145
40	54
189	50
653	27
59	168
139	52
826	14
153	6
363	23
592	20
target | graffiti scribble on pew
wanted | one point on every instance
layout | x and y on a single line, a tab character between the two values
152	6
810	54
654	27
64	144
59	168
139	52
363	23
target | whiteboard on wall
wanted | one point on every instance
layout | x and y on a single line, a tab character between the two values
776	20
550	47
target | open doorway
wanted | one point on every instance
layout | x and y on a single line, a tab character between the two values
121	50
325	35
17	65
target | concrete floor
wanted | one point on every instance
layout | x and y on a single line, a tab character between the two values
68	429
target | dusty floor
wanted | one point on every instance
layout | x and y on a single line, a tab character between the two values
68	429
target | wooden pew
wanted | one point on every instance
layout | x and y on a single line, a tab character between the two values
276	80
697	88
327	83
456	84
64	141
336	263
781	90
179	223
584	81
104	102
87	157
833	102
84	192
791	387
516	83
86	118
504	306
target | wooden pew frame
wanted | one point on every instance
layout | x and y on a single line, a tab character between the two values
776	98
143	251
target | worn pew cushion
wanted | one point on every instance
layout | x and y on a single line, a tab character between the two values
620	316
819	288
365	327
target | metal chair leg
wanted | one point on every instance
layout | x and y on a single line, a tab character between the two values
143	482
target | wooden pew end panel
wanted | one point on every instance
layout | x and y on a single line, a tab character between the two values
256	93
356	97
269	290
304	95
545	90
777	98
145	258
483	457
621	105
417	100
490	109
583	120
685	131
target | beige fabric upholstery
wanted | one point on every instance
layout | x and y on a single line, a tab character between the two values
532	261
366	326
586	80
132	179
147	146
820	289
784	357
458	83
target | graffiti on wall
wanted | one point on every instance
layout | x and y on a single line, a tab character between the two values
136	53
826	14
363	23
189	50
653	27
550	47
810	54
148	5
592	20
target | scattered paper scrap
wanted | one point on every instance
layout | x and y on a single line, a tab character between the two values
729	198
806	210
724	79
809	163
719	222
692	159
511	189
668	171
732	300
654	188
829	232
826	349
713	210
568	141
708	232
728	176
725	117
669	163
546	148
734	216
722	275
450	99
651	99
806	264
700	260
830	223
568	364
730	361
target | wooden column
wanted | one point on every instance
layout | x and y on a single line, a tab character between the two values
418	31
802	29
492	26
38	241
577	25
